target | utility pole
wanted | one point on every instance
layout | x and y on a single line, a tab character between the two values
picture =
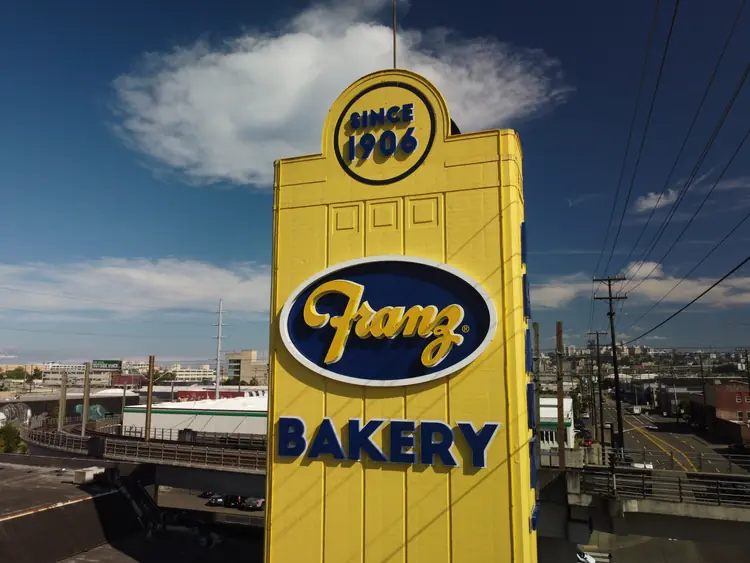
747	370
149	397
599	383
537	390
62	406
611	314
218	348
86	397
674	388
592	402
703	386
560	398
394	33
124	403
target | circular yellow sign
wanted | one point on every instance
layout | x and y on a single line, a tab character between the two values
384	133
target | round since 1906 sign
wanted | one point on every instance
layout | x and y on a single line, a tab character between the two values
384	133
388	321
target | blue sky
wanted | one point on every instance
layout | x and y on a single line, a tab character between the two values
137	144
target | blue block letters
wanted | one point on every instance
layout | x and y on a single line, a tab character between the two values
409	442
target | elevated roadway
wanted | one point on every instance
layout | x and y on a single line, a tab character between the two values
674	503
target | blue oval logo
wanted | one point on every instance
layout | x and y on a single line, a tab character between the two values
388	321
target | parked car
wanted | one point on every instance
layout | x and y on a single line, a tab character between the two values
233	501
585	415
253	503
587	442
608	425
207	494
216	500
642	465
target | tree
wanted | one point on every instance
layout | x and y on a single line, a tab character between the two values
10	439
234	380
37	373
253	381
16	373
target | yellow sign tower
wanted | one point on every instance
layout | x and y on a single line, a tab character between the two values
400	412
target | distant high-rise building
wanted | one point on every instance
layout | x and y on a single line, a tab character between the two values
246	365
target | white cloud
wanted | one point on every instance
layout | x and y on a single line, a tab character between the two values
225	112
131	287
742	182
639	270
560	291
652	200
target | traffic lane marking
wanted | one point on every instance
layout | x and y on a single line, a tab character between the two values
653	437
660	447
673	446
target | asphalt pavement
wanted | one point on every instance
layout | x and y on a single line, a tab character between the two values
639	549
190	500
25	488
668	444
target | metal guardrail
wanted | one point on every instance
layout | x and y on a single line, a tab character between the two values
679	460
55	440
664	460
219	439
186	455
668	487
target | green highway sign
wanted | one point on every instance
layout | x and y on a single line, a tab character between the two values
107	364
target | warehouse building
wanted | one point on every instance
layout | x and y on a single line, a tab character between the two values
237	415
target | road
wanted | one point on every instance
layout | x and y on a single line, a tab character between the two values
189	500
673	445
637	549
25	488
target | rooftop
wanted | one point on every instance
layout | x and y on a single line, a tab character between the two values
256	404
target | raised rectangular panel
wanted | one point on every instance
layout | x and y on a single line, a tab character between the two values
384	232
346	218
424	211
383	215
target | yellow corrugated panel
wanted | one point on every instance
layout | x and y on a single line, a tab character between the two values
462	206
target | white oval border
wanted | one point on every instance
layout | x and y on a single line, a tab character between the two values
286	310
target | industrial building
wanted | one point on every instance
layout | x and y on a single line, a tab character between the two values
238	415
548	422
246	365
192	374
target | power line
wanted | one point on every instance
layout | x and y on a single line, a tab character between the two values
689	131
710	252
695	213
627	152
673	315
645	131
689	182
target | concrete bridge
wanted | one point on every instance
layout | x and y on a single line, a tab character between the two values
693	506
572	504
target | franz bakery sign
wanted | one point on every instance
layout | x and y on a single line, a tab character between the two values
387	321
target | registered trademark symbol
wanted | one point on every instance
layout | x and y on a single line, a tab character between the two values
465	329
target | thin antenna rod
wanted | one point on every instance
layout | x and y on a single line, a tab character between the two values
394	33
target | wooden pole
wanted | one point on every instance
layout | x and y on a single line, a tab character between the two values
86	397
560	398
149	396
